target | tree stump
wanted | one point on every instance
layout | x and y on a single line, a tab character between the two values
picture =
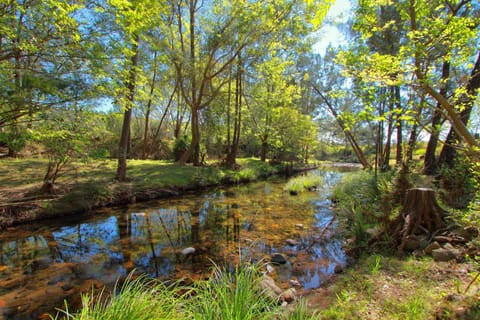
420	214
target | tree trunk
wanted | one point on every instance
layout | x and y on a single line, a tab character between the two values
233	150
127	117
430	161
399	127
146	148
420	215
356	148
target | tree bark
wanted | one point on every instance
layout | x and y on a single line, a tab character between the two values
146	145
233	150
430	161
420	215
127	117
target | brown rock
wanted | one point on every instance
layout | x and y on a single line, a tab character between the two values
270	288
288	295
432	246
443	254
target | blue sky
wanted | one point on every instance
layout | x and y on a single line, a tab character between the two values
329	33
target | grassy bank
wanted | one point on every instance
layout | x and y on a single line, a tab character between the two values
85	186
380	283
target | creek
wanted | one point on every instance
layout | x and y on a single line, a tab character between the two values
42	264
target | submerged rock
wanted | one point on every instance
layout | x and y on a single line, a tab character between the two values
278	258
292	242
299	226
187	251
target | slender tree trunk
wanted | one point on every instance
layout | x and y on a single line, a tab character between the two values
127	117
264	139
146	150
194	149
465	103
356	148
232	154
430	161
399	128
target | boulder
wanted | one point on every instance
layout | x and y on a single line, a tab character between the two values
338	268
270	288
288	295
443	254
432	246
278	258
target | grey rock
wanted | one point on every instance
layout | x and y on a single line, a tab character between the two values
443	254
187	251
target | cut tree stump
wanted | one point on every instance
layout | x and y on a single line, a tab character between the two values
420	215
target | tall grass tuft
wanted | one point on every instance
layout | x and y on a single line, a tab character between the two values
137	299
235	295
357	203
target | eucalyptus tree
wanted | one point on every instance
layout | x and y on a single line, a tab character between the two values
437	34
211	36
127	25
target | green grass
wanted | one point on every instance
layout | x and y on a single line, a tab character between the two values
85	185
386	287
138	299
232	295
300	184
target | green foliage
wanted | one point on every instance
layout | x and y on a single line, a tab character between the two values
180	146
15	141
457	184
357	204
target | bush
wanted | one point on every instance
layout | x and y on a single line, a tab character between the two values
180	146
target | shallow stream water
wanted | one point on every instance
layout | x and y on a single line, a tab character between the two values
43	264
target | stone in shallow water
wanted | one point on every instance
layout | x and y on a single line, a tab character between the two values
270	288
292	242
278	258
187	251
299	226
